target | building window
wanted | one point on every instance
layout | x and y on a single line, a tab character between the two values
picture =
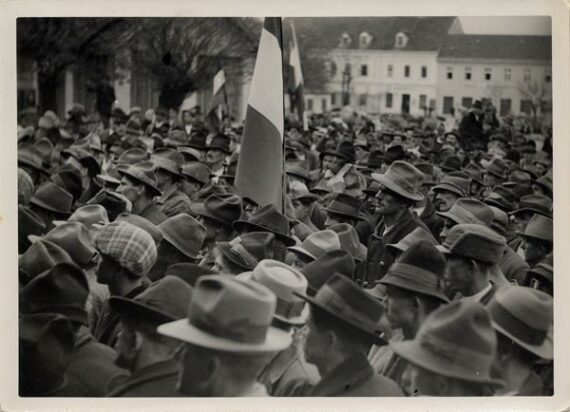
424	72
388	100
309	104
467	102
364	40
333	98
505	107
332	66
348	69
487	74
507	74
364	70
401	40
390	70
362	99
468	73
324	104
548	76
450	73
406	71
526	76
423	101
526	106
345	40
448	105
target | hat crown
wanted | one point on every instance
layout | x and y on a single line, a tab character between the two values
348	237
41	256
415	236
74	238
402	178
460	184
169	295
89	215
321	269
132	156
498	167
258	245
468	210
475	241
52	197
197	170
539	227
322	241
225	207
185	233
142	223
531	306
539	202
269	217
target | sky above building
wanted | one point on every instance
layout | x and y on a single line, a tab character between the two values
532	25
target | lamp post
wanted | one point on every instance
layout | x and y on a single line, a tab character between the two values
346	79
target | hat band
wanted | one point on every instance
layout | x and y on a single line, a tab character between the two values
241	252
463	215
239	329
331	300
535	207
515	326
289	309
342	209
415	275
400	181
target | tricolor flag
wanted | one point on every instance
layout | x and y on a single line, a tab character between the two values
260	170
296	79
219	99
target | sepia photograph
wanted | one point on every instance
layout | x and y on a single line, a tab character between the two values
291	207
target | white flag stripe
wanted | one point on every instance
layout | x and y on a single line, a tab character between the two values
295	59
266	94
219	81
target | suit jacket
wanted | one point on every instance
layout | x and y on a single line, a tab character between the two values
153	214
355	377
156	380
431	220
92	367
513	266
471	132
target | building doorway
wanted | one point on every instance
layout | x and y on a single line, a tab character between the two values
405	104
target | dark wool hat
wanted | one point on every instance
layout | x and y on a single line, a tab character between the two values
320	270
474	241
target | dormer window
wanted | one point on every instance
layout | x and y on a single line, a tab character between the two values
345	40
364	40
401	40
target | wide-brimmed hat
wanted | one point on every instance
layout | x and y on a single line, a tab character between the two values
163	301
344	150
188	272
545	182
403	179
249	249
539	227
500	223
502	198
185	233
344	205
348	303
176	138
349	241
317	243
498	168
419	269
190	154
524	315
457	340
74	238
53	198
197	171
536	204
41	256
428	170
29	223
299	191
267	219
543	269
142	223
223	208
143	172
198	139
88	216
474	241
286	283
298	169
469	210
451	163
29	156
84	157
454	184
221	142
68	178
61	289
168	159
132	156
475	171
231	316
417	235
517	177
394	153
375	158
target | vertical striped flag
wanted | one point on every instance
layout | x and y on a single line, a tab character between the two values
219	98
296	79
260	168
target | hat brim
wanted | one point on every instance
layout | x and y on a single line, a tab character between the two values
225	249
343	213
176	244
242	224
276	339
544	351
375	339
130	307
200	210
380	178
300	250
411	351
44	205
448	188
530	209
393	281
153	188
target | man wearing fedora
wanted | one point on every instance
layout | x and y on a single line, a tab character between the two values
472	251
226	349
287	368
537	237
126	255
313	246
168	175
342	329
151	357
425	208
399	190
182	240
471	129
243	252
449	189
139	186
452	353
217	152
522	318
50	202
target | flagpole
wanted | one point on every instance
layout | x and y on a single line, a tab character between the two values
283	180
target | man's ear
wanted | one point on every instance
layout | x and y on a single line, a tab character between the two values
330	338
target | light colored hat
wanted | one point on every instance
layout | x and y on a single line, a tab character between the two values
417	235
403	179
317	243
284	281
229	315
539	227
350	241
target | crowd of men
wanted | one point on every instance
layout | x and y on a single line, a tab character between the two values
406	260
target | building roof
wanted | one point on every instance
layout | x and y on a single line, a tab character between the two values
504	47
424	33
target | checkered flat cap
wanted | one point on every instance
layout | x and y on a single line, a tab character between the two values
130	246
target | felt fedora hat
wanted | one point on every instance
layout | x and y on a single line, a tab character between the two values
457	340
344	205
417	235
543	269
348	303
228	315
375	158
498	168
468	210
74	238
451	163
299	191
502	198
142	223
267	219
249	249
321	269
53	198
372	188
132	156
41	256
29	223
474	241
30	157
143	172
403	179
88	216
190	154
518	177
223	208
168	159
428	170
475	171
188	272
185	233
198	139
536	204
176	138
196	171
286	283
525	316
500	222
221	142
349	241
297	169
454	184
165	300
61	289
316	244
539	227
545	182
